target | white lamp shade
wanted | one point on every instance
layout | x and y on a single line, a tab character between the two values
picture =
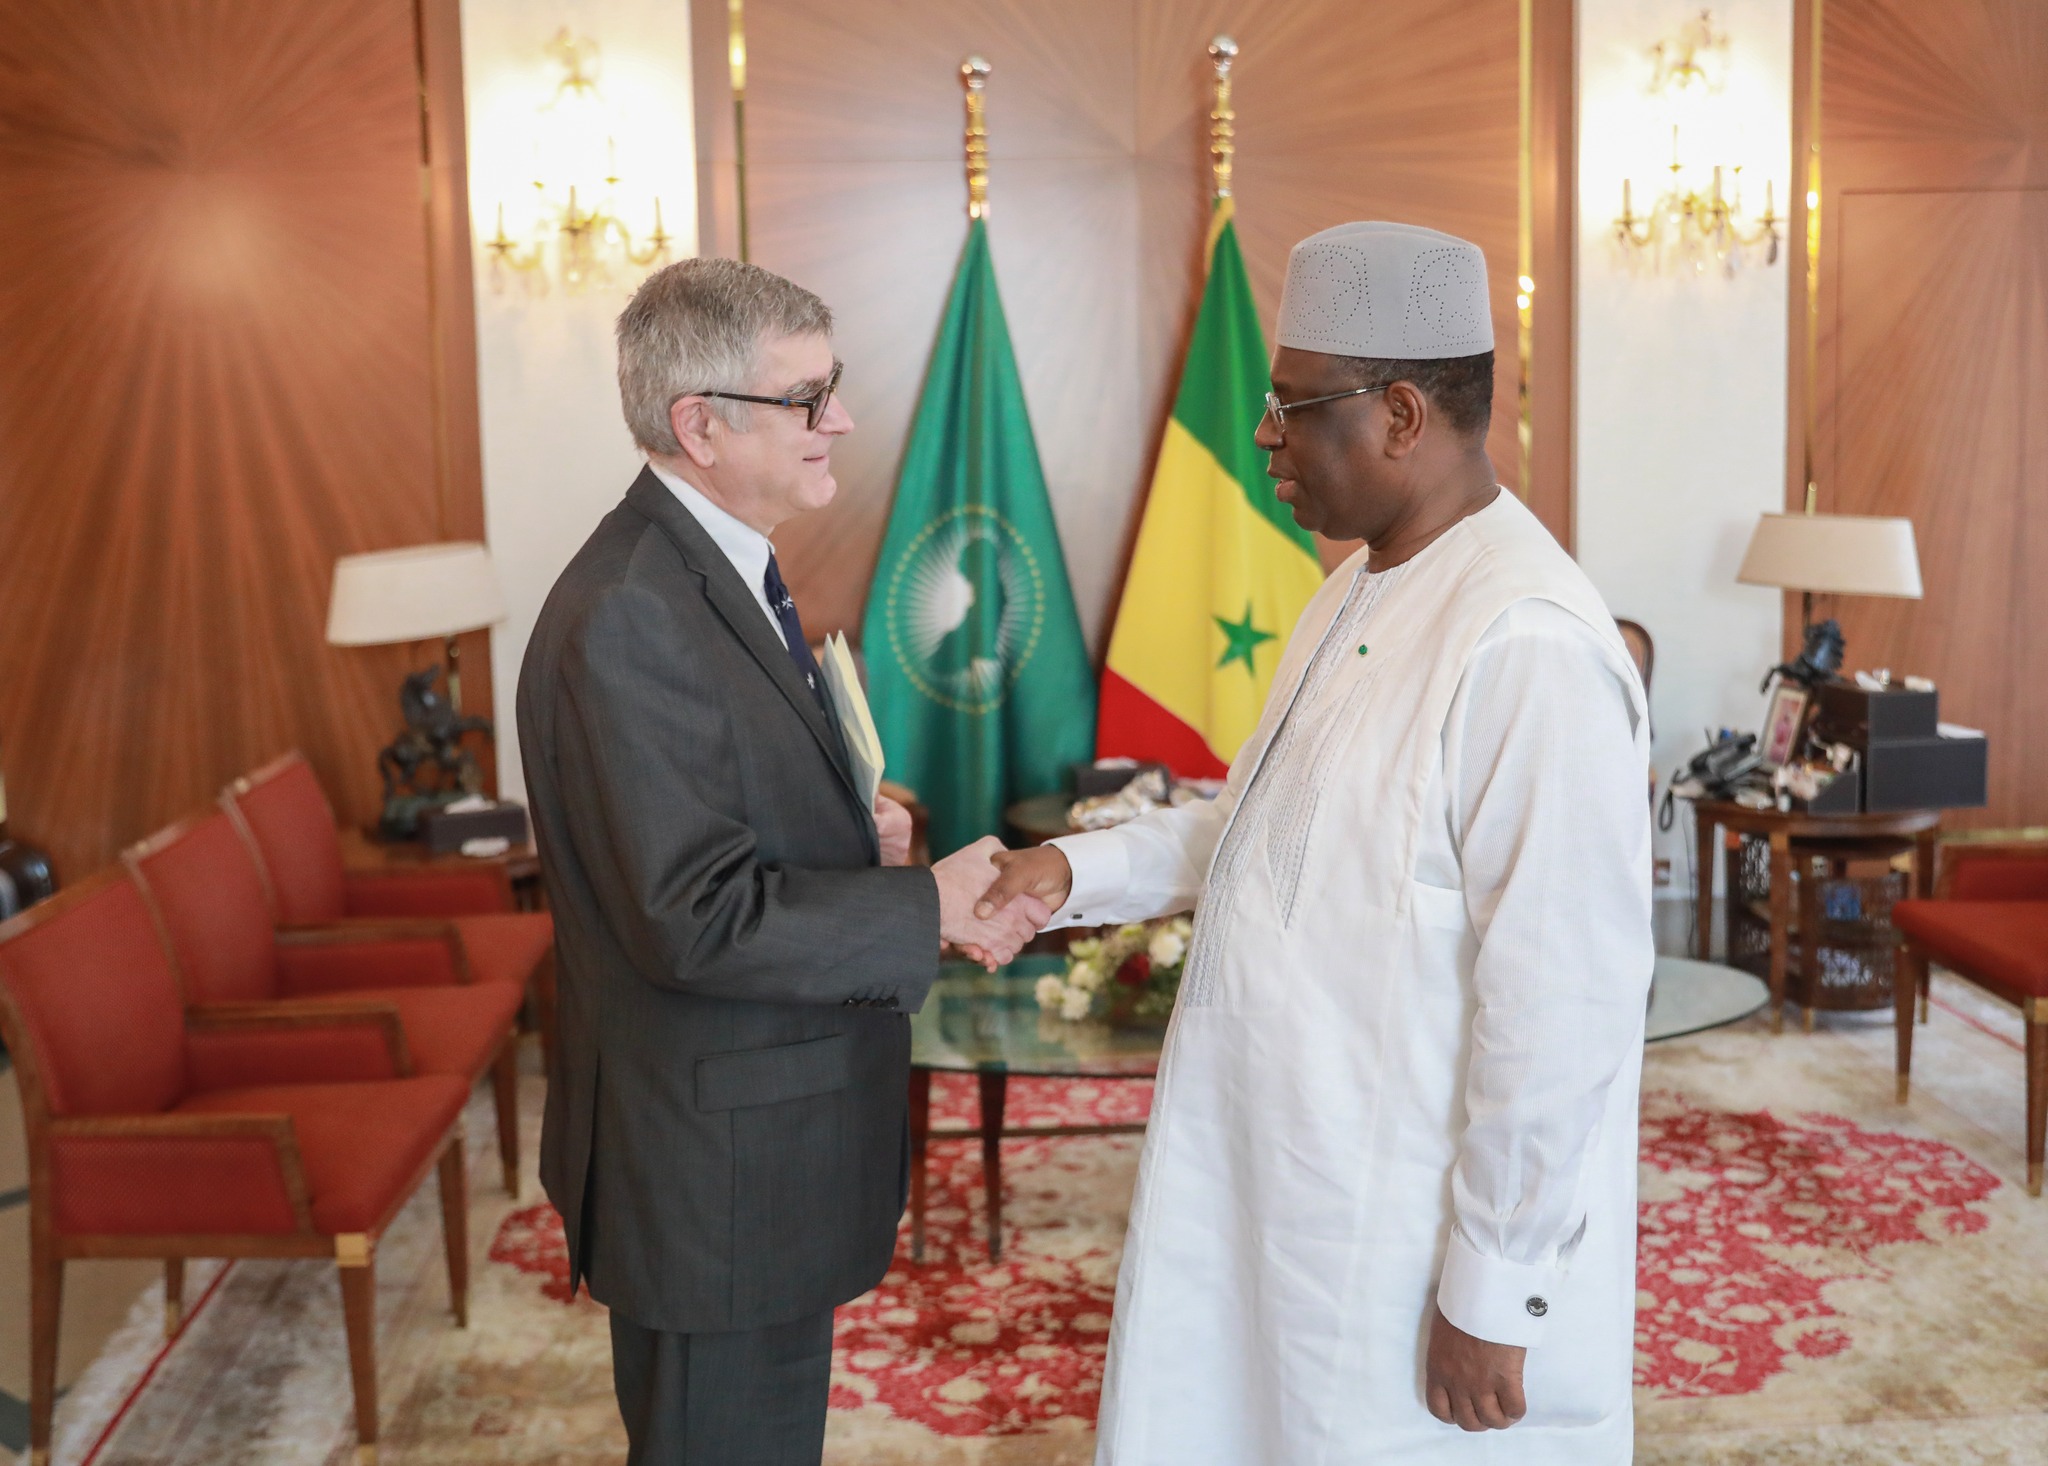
1839	554
414	594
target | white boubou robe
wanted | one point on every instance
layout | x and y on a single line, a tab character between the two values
1403	1070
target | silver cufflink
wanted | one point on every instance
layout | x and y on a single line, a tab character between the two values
1537	1307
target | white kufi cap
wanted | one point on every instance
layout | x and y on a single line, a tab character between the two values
1392	291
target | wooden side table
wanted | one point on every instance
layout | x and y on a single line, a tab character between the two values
1837	836
520	864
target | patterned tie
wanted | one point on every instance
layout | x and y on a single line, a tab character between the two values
784	605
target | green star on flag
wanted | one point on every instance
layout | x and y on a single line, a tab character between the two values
1243	639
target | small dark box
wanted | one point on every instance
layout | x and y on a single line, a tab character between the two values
443	833
1842	794
1925	773
1845	713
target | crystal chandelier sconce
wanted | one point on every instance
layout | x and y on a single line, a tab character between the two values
1699	218
577	235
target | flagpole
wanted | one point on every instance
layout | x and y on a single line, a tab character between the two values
1222	119
974	79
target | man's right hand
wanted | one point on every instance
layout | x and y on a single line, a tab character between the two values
991	934
1041	874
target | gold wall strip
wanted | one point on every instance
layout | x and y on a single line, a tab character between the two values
1525	242
1812	251
736	59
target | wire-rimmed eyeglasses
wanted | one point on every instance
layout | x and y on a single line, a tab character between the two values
1278	410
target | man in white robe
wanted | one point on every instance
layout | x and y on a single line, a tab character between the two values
1386	1207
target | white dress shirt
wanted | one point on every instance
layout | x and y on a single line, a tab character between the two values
747	548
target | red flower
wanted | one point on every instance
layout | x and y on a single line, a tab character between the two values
1136	971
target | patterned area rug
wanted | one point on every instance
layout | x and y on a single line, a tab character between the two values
1825	1278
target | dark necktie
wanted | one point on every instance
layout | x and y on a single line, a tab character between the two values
783	604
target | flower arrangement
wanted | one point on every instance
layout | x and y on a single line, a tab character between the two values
1128	975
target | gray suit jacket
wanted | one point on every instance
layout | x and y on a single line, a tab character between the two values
725	1118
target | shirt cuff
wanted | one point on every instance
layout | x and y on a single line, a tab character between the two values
1496	1300
1102	873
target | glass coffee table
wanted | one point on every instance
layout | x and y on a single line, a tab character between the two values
990	1025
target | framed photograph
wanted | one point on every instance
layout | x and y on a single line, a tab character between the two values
1784	720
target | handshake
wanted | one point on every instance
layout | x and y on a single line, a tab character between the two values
992	901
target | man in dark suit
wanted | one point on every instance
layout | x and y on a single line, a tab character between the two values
739	938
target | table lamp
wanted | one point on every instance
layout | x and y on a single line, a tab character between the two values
1834	554
417	594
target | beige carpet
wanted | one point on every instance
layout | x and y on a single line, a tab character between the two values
1826	1278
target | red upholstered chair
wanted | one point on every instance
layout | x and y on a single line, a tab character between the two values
157	1133
1988	924
291	825
204	885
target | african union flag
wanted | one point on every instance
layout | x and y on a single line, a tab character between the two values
977	672
1221	571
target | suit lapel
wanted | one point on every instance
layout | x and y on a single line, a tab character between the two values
739	610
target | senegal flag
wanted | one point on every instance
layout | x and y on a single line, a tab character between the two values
1221	571
977	674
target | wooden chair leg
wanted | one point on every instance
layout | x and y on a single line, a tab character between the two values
505	1090
995	1093
455	1228
2037	1098
1906	975
1926	984
174	1294
357	1261
544	1009
46	1306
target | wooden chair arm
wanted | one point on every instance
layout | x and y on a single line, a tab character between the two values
277	1129
297	1015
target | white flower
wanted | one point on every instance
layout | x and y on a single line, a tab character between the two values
1183	926
1084	976
1133	932
1076	1005
1085	948
1167	947
1051	992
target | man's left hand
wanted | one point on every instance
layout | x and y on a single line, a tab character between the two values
1472	1384
892	825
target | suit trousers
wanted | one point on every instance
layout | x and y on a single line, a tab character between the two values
755	1397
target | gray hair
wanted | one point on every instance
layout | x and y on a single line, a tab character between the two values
697	326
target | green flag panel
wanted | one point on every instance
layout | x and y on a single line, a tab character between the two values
977	672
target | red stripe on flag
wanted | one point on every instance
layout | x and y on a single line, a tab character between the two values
1132	725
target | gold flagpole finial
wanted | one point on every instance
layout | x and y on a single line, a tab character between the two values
1222	117
974	77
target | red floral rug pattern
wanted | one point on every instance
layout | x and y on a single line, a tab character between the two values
1757	1215
1731	1272
966	1347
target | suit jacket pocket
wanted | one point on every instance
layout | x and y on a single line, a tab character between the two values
770	1076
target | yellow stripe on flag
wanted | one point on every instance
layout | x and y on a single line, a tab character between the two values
1205	557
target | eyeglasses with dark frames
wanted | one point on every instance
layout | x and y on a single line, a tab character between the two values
814	405
1279	409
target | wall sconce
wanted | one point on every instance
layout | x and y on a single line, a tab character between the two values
576	234
1689	223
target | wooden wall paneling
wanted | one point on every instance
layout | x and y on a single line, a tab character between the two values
711	100
1332	125
1099	178
451	322
857	191
1553	191
1932	336
218	377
